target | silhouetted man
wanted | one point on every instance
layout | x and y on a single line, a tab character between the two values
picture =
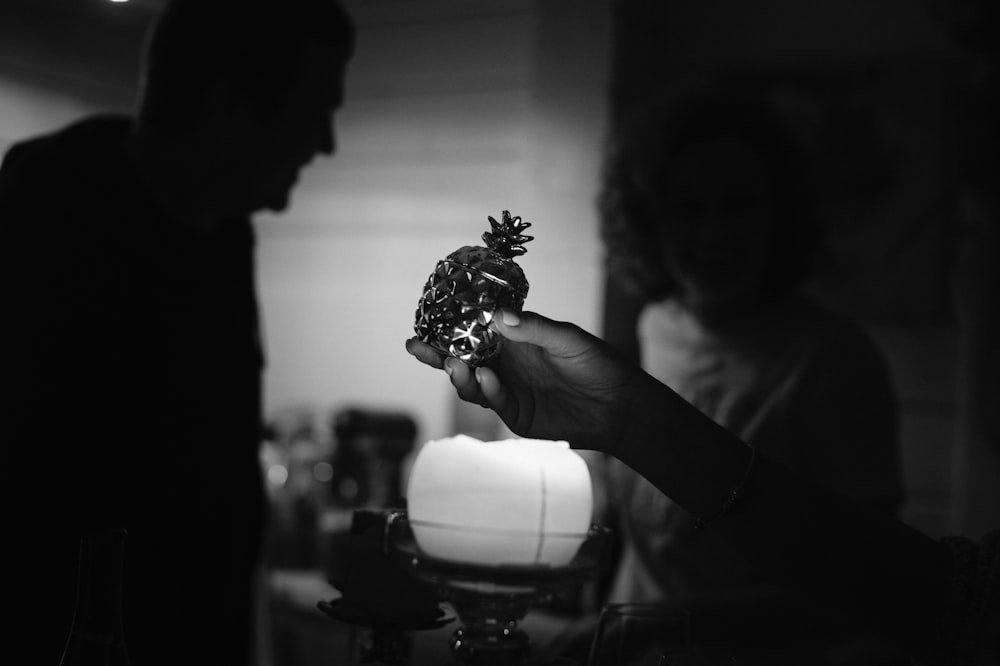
131	350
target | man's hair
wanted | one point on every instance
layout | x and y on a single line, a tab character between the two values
256	47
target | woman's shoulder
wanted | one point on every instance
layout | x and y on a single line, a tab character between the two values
830	328
832	353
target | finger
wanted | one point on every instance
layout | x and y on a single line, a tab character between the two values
530	327
463	379
424	353
496	395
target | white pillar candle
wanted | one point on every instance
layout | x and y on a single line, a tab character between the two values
517	502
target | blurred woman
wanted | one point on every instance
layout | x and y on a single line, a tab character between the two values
707	221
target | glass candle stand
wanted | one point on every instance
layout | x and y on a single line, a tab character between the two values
490	601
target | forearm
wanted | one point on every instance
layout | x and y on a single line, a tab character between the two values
685	454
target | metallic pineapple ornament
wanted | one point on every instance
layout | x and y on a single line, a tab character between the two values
466	288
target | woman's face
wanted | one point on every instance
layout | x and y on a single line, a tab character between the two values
716	223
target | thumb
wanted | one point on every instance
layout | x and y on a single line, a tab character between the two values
522	326
556	337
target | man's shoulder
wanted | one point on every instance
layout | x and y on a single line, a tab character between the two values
54	191
86	139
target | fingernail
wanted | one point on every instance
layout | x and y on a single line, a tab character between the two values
510	317
479	378
449	368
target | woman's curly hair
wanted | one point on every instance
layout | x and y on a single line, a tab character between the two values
638	153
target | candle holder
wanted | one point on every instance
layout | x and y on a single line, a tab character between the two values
490	601
379	639
381	600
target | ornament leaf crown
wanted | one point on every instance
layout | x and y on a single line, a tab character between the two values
506	238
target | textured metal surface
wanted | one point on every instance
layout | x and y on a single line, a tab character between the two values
463	293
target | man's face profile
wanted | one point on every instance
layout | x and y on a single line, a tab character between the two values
275	145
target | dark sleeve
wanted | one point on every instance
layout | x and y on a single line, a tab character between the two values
970	628
43	436
890	579
57	268
60	334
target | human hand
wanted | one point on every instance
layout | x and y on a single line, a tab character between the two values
552	380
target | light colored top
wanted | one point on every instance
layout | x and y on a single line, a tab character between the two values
803	385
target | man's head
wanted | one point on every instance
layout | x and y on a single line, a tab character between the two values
253	83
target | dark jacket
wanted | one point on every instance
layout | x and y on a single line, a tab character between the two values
131	395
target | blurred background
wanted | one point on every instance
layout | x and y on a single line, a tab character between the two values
459	110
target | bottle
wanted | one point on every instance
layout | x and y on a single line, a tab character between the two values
97	637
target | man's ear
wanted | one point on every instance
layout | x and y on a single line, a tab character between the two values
218	129
229	108
226	118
